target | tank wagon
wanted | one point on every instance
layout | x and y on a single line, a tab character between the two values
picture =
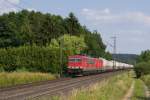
81	65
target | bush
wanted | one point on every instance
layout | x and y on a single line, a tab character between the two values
31	58
142	68
1	69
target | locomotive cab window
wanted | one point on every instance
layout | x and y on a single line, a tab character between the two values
75	60
90	61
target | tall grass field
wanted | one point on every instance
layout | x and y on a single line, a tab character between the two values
15	78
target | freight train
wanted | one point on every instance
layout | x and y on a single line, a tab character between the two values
83	65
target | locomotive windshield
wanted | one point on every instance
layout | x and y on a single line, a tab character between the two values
74	60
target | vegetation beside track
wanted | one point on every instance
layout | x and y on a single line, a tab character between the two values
114	87
139	92
142	68
15	78
146	79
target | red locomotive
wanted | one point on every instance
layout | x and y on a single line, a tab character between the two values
79	64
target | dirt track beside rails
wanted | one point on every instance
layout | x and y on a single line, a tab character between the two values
54	87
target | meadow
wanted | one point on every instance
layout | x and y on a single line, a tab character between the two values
15	78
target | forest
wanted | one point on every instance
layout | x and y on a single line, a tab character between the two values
36	41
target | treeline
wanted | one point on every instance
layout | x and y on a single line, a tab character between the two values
143	64
32	40
26	27
41	58
126	58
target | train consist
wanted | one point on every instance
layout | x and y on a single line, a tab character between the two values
81	65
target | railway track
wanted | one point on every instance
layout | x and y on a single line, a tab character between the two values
54	87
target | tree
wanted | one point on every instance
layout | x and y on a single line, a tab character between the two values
52	28
144	56
36	20
72	25
143	65
70	44
107	56
7	36
96	48
142	68
24	30
30	27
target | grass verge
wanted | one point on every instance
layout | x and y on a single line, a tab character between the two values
15	78
146	79
139	92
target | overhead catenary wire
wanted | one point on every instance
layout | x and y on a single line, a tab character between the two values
26	3
107	43
28	6
15	5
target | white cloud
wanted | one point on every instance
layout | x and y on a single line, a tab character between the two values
14	1
105	16
106	11
31	9
131	28
7	6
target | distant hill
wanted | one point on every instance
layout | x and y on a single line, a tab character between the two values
126	58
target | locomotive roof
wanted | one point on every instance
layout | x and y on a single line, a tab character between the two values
81	56
78	56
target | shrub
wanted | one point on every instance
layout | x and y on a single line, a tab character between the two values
1	69
32	58
142	68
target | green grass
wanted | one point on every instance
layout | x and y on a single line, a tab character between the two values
14	78
146	80
139	92
113	88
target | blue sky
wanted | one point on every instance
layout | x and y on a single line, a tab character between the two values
129	20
